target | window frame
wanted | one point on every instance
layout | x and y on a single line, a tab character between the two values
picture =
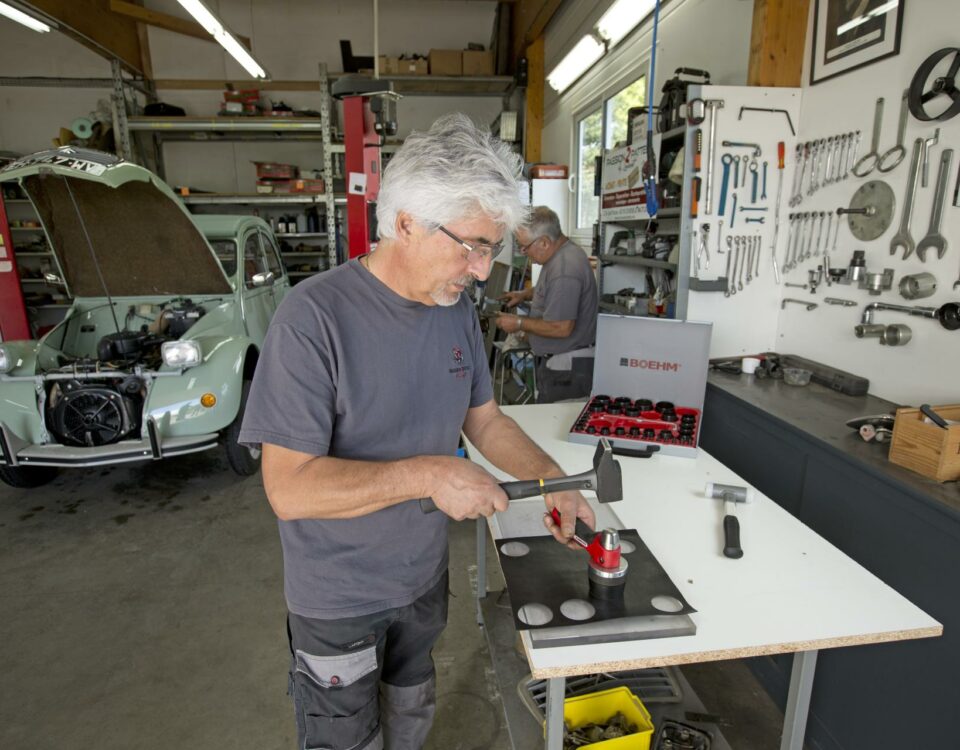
583	111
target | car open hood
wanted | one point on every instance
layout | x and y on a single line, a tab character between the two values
144	240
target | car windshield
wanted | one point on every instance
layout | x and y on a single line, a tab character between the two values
226	251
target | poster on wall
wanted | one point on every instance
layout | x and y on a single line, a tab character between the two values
622	195
848	34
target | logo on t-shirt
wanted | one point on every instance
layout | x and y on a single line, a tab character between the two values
461	369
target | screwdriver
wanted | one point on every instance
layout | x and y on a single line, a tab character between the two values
776	215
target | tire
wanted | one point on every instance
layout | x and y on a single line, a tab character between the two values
27	477
244	461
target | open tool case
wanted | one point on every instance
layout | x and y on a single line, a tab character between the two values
649	379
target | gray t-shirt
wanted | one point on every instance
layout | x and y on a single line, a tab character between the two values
566	290
351	369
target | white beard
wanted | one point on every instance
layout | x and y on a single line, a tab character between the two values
447	299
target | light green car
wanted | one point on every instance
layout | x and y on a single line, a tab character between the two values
155	356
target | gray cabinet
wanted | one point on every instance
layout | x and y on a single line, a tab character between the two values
793	446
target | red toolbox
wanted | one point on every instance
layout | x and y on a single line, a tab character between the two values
649	380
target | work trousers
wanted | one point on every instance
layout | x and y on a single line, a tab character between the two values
367	682
561	385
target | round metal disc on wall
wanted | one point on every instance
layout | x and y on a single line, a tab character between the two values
876	195
82	127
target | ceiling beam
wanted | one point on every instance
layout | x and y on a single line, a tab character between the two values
166	21
530	19
777	42
91	23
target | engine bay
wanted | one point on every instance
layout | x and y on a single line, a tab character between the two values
98	400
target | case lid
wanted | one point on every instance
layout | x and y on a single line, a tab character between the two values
655	358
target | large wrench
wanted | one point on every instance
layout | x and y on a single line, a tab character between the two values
866	164
732	281
903	238
726	291
934	239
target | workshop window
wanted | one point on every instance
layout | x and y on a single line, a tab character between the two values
604	127
589	134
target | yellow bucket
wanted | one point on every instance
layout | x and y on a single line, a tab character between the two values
598	708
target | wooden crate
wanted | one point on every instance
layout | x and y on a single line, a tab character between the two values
926	448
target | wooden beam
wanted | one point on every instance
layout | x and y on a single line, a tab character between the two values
146	61
167	22
530	19
777	42
91	23
533	118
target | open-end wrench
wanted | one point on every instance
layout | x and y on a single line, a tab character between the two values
756	258
822	215
726	291
797	174
749	241
894	156
903	238
763	191
732	281
726	160
866	164
743	262
755	180
814	167
927	143
736	171
743	160
853	155
733	214
845	142
831	147
934	238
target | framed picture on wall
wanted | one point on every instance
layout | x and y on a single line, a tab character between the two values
848	34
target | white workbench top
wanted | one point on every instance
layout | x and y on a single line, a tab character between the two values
791	591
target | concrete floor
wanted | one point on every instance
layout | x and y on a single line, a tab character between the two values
143	608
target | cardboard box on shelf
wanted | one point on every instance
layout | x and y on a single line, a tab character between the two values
388	65
476	63
417	67
269	170
446	62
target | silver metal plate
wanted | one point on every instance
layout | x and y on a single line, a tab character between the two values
879	196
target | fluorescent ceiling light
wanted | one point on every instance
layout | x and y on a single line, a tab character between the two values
215	28
23	18
622	17
576	62
878	11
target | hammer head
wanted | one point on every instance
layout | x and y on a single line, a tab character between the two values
609	482
729	492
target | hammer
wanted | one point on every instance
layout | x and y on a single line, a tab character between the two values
604	479
731	495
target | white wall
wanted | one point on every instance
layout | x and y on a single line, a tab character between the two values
708	34
923	370
289	37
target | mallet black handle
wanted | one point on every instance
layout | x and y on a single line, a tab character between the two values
533	487
731	538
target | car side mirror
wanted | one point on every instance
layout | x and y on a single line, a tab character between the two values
52	278
262	279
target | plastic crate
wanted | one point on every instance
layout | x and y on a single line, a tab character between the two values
597	708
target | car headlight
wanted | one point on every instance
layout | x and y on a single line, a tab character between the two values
6	360
180	353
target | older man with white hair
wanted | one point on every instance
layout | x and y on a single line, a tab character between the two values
368	375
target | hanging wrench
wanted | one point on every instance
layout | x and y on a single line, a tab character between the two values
726	160
788	263
934	239
808	253
797	174
814	168
720	237
755	178
763	193
853	154
726	291
732	281
894	156
822	215
903	238
831	145
743	259
865	166
749	241
756	257
736	171
836	234
926	157
845	141
798	197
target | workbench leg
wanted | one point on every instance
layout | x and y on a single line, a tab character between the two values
556	688
798	700
481	565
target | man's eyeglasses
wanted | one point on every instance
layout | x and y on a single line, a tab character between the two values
522	249
479	250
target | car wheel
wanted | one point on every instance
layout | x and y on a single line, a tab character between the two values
244	461
25	477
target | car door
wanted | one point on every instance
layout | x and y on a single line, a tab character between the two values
258	301
281	282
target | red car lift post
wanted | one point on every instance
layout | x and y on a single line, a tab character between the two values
13	313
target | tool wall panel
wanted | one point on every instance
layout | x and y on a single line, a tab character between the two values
745	313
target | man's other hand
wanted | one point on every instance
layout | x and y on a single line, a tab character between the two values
513	298
508	323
